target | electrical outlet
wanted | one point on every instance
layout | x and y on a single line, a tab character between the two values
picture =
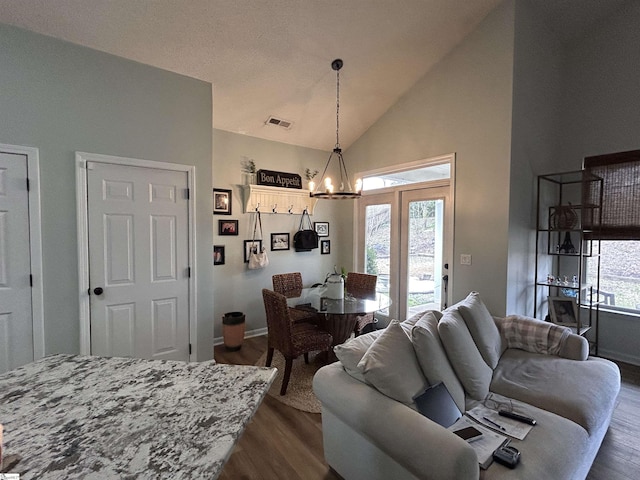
465	259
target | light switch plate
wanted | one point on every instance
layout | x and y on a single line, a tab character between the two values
465	259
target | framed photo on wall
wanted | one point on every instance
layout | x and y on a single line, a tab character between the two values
251	246
563	310
218	254
325	247
279	241
221	201
227	227
321	228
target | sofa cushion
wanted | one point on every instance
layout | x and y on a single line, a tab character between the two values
582	391
391	366
554	448
433	359
470	367
483	329
351	352
411	321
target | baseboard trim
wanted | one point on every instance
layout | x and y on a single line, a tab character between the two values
621	357
249	334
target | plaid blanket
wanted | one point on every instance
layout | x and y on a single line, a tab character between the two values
533	335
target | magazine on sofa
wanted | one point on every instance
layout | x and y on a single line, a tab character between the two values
490	418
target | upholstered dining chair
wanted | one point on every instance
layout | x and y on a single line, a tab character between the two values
287	282
362	285
289	285
289	338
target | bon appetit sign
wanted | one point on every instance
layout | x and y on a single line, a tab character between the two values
279	179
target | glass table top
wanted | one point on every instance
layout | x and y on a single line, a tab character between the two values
314	299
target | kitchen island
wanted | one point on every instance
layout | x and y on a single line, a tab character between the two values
69	416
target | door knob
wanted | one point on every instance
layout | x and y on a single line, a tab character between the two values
98	290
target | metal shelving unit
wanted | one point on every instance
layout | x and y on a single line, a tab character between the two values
563	247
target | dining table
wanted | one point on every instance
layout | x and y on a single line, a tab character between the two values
340	315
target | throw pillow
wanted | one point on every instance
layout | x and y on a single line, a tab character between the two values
433	359
391	366
411	321
351	352
474	374
483	329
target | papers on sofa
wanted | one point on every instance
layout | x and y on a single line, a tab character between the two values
485	445
491	419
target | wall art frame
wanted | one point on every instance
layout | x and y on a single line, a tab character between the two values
227	227
218	254
222	200
321	228
280	241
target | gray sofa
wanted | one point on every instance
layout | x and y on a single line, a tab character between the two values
372	429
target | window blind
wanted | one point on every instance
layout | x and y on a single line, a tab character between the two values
620	192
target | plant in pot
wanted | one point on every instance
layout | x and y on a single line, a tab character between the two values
310	175
248	167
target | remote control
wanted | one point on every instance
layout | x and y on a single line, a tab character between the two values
517	416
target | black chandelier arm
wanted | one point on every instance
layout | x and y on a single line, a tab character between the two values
344	176
322	177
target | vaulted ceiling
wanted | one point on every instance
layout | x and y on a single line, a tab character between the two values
273	58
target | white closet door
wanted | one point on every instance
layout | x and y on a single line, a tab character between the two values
16	323
138	261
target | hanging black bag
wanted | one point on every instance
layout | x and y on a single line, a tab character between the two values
305	240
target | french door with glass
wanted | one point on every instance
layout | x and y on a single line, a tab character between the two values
402	238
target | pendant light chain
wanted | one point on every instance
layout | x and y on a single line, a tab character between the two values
325	188
337	108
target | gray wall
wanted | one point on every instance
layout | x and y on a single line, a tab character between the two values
62	98
600	115
462	105
237	287
538	59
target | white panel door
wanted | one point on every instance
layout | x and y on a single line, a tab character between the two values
138	261
402	239
16	323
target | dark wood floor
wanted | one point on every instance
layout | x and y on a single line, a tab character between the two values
286	444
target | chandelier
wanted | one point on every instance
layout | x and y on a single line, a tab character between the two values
326	188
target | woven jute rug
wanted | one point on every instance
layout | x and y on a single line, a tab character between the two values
300	390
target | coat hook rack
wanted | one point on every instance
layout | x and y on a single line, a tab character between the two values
277	200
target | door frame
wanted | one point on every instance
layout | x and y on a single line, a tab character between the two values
35	243
83	240
449	231
435	190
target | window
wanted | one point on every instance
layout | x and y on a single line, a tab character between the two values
406	176
619	274
617	227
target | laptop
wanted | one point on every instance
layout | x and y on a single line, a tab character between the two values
437	404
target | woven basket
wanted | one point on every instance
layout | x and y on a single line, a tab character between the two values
563	217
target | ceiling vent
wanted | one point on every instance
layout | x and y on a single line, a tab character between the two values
279	122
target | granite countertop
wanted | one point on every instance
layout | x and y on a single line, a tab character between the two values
69	416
